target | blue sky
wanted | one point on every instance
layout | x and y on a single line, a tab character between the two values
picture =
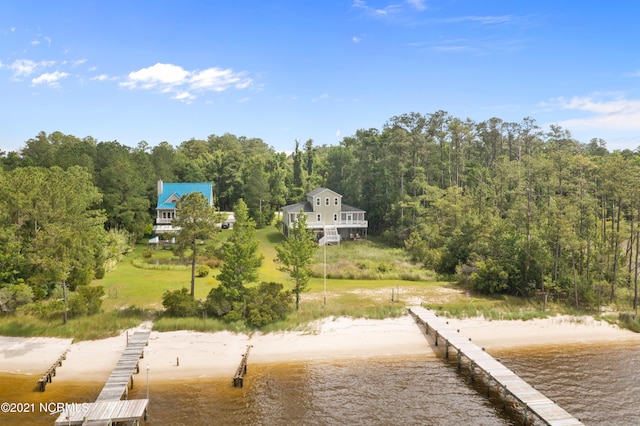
286	70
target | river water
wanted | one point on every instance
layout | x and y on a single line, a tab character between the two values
599	384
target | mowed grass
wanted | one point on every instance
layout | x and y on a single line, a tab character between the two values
129	285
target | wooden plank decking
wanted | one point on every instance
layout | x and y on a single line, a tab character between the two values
122	375
105	413
532	400
109	406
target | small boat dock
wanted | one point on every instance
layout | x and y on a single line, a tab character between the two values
110	407
506	381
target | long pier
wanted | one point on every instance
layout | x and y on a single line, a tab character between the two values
110	407
531	400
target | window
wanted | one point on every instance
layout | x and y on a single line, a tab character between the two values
326	201
335	217
319	217
318	201
335	201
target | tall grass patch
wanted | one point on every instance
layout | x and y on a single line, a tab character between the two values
99	326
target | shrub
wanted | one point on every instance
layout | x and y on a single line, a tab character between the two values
179	303
267	303
87	300
212	263
490	278
383	267
14	296
45	310
202	271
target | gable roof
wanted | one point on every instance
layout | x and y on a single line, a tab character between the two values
321	190
295	208
169	190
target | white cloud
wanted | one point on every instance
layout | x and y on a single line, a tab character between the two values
26	67
102	77
243	100
379	13
338	133
217	79
356	39
169	78
78	62
22	67
35	42
418	4
156	76
184	97
485	20
52	79
603	114
321	97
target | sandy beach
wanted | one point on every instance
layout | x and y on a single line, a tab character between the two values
191	355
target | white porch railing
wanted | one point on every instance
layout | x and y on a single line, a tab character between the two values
340	224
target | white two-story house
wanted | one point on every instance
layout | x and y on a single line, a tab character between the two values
327	216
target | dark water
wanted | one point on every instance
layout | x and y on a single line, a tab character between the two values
598	384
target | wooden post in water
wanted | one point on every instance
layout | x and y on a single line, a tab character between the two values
446	349
459	360
436	337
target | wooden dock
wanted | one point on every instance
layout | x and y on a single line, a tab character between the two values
508	383
238	379
51	372
110	407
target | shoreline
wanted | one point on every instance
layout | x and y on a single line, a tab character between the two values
183	355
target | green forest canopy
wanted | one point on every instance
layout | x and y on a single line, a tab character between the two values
510	207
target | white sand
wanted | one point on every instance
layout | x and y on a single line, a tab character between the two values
562	329
186	354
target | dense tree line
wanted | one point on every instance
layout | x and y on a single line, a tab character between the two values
508	207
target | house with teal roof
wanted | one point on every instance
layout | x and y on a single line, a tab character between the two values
169	194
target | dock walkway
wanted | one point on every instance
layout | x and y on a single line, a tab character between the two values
109	407
511	384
